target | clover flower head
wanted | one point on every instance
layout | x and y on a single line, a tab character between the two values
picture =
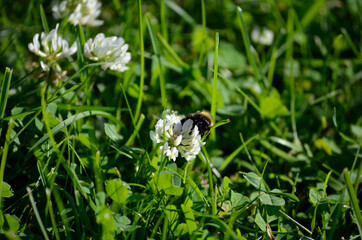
52	47
83	12
177	138
110	50
263	36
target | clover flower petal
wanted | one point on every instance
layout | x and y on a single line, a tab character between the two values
83	12
110	50
177	138
51	47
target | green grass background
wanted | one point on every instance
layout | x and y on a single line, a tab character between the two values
77	161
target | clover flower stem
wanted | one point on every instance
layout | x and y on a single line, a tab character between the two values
214	85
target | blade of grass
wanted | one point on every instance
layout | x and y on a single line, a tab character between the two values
311	13
4	95
278	152
4	158
37	215
142	60
211	182
243	94
158	54
173	54
164	22
297	223
5	85
359	171
51	213
66	123
43	19
177	9
290	78
247	45
137	129
235	152
350	42
354	201
203	45
214	86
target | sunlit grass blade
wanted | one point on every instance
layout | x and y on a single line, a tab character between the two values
214	85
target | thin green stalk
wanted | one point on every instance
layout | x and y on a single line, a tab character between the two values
290	78
297	223
51	213
211	184
3	158
204	42
142	49
350	42
137	129
214	86
173	54
354	201
165	229
236	152
37	215
247	45
359	172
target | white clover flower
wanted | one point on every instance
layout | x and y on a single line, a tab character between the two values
83	12
51	48
111	50
263	36
177	138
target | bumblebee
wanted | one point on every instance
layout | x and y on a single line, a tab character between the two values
202	120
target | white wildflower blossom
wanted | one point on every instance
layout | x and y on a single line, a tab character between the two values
177	138
52	48
83	12
110	50
263	36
